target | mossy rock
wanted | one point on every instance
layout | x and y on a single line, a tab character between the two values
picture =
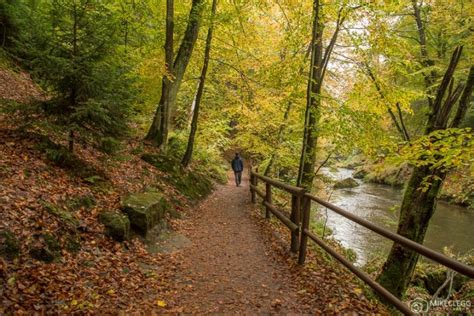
347	183
86	201
360	174
47	248
9	245
116	225
73	243
145	210
434	279
174	213
64	215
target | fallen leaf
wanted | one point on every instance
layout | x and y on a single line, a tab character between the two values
161	303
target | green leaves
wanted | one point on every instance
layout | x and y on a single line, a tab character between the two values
442	150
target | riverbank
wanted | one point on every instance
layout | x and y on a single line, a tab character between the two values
458	188
450	232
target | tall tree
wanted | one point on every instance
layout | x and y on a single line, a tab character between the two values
202	80
158	132
420	197
318	66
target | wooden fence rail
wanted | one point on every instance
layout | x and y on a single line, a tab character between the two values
299	225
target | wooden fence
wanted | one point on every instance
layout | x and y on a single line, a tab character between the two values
298	221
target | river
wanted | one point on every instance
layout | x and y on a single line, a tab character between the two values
450	226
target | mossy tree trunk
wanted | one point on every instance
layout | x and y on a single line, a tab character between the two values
192	134
416	211
420	197
318	67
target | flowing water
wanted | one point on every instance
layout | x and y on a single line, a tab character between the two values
451	226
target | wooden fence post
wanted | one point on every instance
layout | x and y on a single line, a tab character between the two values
253	181
304	226
295	218
268	198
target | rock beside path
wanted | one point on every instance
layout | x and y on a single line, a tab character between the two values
116	225
145	210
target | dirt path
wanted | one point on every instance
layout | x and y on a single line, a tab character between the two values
228	267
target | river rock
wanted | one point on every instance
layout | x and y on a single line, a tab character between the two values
347	183
9	245
145	210
116	225
360	174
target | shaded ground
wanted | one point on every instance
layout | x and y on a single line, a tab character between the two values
231	266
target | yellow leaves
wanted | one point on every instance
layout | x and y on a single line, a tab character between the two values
11	281
111	292
160	303
74	303
357	291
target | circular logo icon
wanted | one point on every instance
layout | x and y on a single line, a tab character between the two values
419	305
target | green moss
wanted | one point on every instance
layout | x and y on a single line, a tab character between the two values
194	184
46	249
346	184
86	201
145	210
64	215
9	245
116	225
109	145
73	243
60	156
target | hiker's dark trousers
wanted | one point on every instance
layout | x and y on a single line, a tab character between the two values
238	177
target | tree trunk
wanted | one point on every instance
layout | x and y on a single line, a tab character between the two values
189	149
313	102
416	211
155	134
158	132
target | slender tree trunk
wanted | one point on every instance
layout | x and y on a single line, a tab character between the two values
189	149
317	72
313	102
400	126
155	134
419	205
158	132
73	94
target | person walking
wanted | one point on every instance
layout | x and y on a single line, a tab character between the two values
238	167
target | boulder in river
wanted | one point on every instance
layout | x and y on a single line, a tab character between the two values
347	183
360	174
145	210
